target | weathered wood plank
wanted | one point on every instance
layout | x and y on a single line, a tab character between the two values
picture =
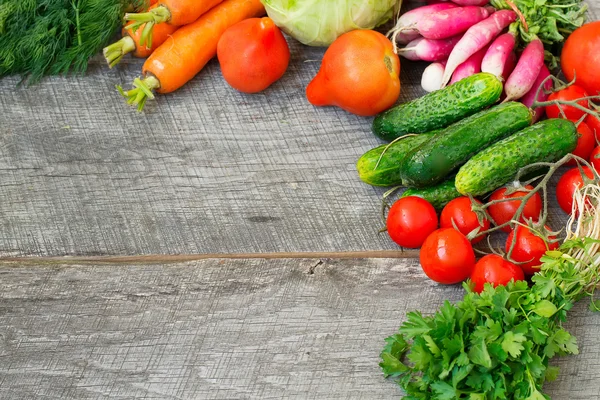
216	329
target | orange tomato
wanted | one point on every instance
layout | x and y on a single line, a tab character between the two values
359	73
580	57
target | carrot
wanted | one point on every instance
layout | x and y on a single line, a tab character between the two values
186	52
174	12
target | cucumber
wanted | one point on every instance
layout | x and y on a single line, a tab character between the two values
438	195
440	108
546	141
431	162
387	172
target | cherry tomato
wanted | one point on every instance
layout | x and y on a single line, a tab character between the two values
595	158
529	248
580	57
505	211
495	270
447	256
568	184
573	92
253	54
410	220
460	212
594	124
585	143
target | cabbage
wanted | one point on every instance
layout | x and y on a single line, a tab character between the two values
320	22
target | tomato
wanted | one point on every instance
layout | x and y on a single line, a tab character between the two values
585	143
594	124
359	73
581	56
595	159
495	270
410	220
505	211
568	184
529	248
447	256
460	212
253	54
573	92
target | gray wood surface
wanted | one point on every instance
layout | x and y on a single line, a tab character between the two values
226	329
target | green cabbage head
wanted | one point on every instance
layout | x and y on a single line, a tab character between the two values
320	22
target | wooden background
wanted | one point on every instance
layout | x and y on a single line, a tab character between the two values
217	246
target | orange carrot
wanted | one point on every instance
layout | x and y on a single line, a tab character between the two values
187	51
174	12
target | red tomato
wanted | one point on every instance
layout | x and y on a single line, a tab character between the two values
585	143
595	158
253	54
529	248
594	124
568	184
581	56
410	220
505	211
447	256
460	212
495	270
573	92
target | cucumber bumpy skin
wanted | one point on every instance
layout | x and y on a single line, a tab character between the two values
430	163
378	170
438	195
439	109
546	141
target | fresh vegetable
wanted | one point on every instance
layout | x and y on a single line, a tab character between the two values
410	220
429	49
444	24
498	54
359	73
404	31
529	247
503	210
439	109
594	123
438	195
447	256
476	38
569	183
431	162
470	67
528	68
529	98
253	54
546	141
319	23
431	80
173	12
459	214
585	143
381	166
581	56
572	92
188	50
494	270
595	159
471	2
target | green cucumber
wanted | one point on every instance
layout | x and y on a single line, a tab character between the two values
431	162
438	195
546	141
440	108
384	170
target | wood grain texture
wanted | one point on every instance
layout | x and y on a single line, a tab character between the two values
235	329
204	170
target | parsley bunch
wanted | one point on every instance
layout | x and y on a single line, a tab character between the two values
497	344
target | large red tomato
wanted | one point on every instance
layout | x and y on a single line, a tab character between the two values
459	213
529	248
580	57
495	270
447	256
410	220
505	211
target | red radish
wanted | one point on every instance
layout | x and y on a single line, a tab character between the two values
509	67
405	30
528	68
471	2
498	53
476	38
469	67
431	80
529	97
429	49
447	23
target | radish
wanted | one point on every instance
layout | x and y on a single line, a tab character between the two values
476	38
528	68
469	67
509	66
405	31
498	54
447	23
529	97
429	49
471	2
431	80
